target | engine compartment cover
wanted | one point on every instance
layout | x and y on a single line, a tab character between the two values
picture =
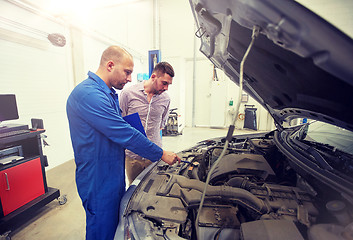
245	164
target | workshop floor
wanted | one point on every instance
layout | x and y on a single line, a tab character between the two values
67	222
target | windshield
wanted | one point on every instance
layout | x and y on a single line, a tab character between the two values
334	136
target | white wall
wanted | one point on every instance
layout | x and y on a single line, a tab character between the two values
202	98
338	12
177	41
38	73
176	44
129	24
176	90
42	75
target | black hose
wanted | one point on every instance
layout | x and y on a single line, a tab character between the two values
191	190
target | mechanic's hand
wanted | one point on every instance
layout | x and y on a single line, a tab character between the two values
170	157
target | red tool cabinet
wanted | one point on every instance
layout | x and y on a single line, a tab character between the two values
23	185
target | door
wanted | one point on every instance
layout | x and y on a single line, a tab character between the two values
21	184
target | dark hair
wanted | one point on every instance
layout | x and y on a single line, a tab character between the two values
164	67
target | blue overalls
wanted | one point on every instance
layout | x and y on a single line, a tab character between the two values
99	137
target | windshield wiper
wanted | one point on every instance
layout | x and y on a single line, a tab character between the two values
320	160
323	146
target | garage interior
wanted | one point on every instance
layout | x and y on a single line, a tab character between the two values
67	221
42	74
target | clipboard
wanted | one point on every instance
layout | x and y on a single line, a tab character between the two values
135	121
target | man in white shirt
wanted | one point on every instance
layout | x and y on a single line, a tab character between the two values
151	102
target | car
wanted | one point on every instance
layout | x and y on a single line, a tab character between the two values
294	182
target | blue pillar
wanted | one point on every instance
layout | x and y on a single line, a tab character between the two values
154	57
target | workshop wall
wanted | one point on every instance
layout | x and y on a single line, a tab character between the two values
38	72
42	75
338	12
128	24
178	41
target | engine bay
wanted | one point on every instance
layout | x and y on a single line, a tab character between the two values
253	193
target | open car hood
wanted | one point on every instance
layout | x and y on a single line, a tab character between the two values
299	66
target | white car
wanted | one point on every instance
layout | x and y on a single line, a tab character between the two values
290	183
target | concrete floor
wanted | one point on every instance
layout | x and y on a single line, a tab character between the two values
59	222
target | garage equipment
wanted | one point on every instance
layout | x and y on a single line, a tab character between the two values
171	128
250	117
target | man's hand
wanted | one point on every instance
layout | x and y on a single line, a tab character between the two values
170	157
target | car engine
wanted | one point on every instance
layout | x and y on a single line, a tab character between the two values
253	193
